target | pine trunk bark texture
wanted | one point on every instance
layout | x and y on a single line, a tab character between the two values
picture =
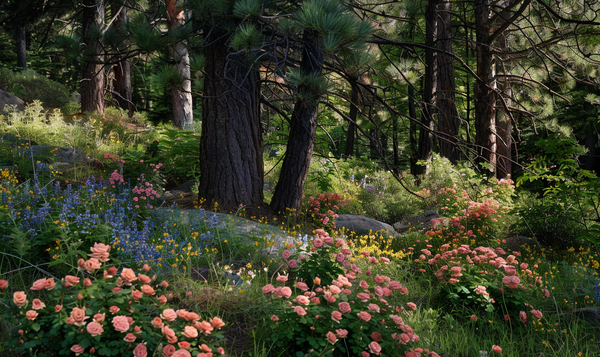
183	116
353	114
447	114
21	42
122	70
231	148
425	151
92	84
485	98
301	141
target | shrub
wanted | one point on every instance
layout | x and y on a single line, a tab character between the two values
30	86
100	312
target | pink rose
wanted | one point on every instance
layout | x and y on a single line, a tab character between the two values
169	315
302	286
168	350
3	284
497	349
268	289
536	313
136	294
92	265
286	292
300	310
217	323
341	333
57	308
318	242
365	316
39	284
184	344
162	299
375	348
140	350
331	337
345	307
292	263
129	337
411	305
274	318
303	300
286	254
94	328
204	326
71	280
128	275
114	309
78	316
185	353
31	315
20	298
120	323
336	316
190	332
100	252
37	304
77	349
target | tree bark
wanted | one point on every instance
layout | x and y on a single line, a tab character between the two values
92	84
231	148
301	140
412	113
122	70
183	115
21	40
447	114
425	152
485	98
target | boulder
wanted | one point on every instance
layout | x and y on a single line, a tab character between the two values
60	154
363	225
9	99
422	221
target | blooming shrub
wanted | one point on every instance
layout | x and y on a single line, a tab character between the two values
107	313
322	209
481	278
349	317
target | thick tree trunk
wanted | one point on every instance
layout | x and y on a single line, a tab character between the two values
425	152
301	141
447	114
92	84
231	148
122	70
183	115
354	98
485	99
21	40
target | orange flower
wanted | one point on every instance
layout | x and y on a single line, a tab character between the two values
128	276
136	294
217	323
162	299
190	332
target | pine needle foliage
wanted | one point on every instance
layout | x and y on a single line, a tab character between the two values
147	38
166	77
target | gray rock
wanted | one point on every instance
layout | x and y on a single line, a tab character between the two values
60	154
422	221
363	225
9	99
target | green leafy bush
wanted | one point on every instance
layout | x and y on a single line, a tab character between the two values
29	86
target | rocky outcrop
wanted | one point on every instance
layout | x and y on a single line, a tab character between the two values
422	221
363	225
9	99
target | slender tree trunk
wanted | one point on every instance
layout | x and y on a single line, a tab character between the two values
21	40
425	152
485	98
122	70
503	123
231	147
92	84
301	141
354	98
412	113
183	116
448	120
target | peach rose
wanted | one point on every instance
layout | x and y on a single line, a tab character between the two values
20	298
136	294
146	268
71	280
78	316
39	284
87	282
300	310
140	350
50	284
217	322
31	315
92	265
162	299
99	317
267	289
129	337
169	334
120	323
164	284
204	326
497	349
100	252
375	348
110	272
334	289
128	276
94	328
303	300
336	316
144	278
190	332
184	344
147	289
114	309
3	284
157	322
317	280
169	314
286	292
57	308
221	350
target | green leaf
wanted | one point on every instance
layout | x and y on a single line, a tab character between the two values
35	327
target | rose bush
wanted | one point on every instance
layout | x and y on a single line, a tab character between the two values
104	312
350	316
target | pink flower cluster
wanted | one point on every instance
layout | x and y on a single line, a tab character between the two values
324	208
145	192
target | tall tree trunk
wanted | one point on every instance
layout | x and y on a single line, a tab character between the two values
183	115
425	152
92	84
301	141
231	148
412	113
448	120
122	70
354	98
485	98
21	40
503	123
